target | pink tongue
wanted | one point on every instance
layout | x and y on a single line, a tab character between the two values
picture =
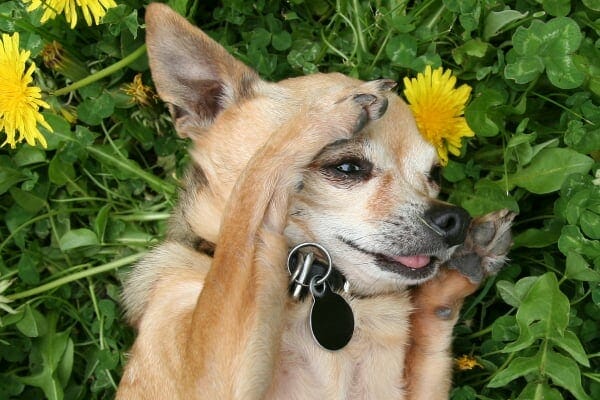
418	261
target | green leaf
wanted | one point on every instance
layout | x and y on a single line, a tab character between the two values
281	41
538	238
513	293
464	393
33	324
528	41
520	366
563	72
454	171
525	69
539	391
565	372
487	197
581	139
577	268
9	177
65	365
181	6
53	348
78	238
596	296
28	155
481	113
576	205
402	49
506	290
548	46
93	110
30	201
590	224
557	7
260	38
60	172
107	359
572	240
544	312
59	126
27	268
473	48
570	343
549	169
592	4
44	380
504	329
496	20
101	221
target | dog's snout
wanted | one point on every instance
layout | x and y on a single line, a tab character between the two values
449	221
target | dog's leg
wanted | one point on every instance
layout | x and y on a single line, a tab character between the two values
237	321
437	304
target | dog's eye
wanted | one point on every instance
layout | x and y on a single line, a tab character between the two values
351	169
435	174
348	168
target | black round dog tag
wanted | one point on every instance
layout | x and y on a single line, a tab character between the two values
331	319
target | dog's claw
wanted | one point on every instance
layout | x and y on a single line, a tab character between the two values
485	247
351	109
364	99
372	108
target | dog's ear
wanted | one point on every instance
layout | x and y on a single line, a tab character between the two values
192	72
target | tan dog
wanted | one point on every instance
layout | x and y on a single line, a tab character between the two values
326	159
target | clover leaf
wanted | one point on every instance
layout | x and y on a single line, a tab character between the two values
546	47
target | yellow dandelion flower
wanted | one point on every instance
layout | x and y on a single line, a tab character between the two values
95	9
19	102
465	362
140	93
438	108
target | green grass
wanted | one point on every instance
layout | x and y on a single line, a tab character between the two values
75	216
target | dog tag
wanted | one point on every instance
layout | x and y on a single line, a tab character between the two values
331	317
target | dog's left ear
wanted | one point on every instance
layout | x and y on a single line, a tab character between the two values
192	72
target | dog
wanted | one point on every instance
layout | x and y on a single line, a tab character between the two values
327	162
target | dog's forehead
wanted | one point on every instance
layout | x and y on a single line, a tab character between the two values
309	86
396	130
397	133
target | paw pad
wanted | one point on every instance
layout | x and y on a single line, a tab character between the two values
486	245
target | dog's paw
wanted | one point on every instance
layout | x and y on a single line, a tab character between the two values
343	114
486	245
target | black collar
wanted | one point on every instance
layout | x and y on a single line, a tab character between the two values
335	281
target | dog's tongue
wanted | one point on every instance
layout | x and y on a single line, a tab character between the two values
415	262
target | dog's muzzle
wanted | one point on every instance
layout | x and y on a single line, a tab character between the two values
448	221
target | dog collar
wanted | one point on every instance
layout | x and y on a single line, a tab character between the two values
331	317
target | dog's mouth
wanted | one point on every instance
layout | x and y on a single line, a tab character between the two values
413	267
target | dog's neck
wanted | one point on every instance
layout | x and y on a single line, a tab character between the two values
336	280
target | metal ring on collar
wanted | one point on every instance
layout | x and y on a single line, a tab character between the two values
310	244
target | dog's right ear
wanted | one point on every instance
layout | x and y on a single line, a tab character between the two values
192	72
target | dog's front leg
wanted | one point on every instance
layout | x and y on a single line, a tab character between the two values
437	304
236	326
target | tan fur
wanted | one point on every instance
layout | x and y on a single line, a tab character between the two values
224	326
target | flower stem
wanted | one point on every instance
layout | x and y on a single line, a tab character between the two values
103	72
78	275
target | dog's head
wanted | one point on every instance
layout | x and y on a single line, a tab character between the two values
371	200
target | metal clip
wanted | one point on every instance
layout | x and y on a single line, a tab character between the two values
301	272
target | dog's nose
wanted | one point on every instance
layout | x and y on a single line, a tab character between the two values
448	221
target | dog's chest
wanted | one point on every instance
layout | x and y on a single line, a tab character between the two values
371	366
